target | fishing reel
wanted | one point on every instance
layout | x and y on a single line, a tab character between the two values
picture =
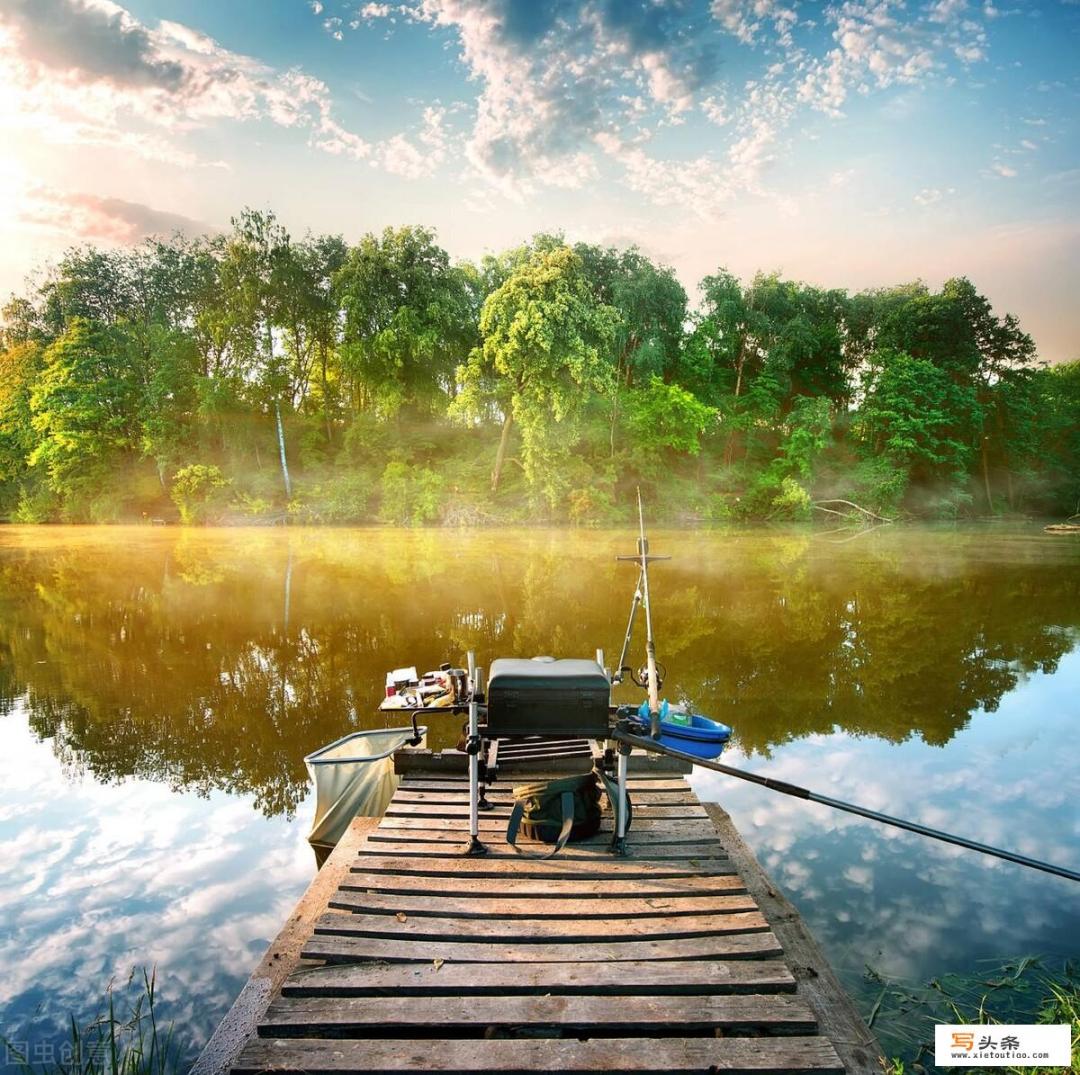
641	676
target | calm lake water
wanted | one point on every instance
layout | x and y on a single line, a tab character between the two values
159	689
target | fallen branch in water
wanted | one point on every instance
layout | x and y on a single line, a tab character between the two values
820	505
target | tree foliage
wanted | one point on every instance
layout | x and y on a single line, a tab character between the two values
329	381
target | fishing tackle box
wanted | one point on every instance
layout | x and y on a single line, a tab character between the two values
547	697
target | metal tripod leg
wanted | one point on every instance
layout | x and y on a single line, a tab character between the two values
618	843
475	847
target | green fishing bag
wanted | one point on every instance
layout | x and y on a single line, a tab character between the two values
558	811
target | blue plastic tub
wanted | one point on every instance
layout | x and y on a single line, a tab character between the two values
702	737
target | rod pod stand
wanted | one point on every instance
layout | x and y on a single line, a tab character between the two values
641	598
472	748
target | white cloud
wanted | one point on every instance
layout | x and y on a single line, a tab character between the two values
878	45
555	82
702	186
947	10
550	79
745	18
1003	170
87	72
932	195
716	111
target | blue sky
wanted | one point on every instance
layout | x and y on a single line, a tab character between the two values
856	143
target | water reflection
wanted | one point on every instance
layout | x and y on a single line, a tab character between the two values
216	661
159	690
907	906
101	879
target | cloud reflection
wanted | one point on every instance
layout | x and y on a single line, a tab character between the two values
906	905
104	878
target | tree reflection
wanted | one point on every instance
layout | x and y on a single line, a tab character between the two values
218	659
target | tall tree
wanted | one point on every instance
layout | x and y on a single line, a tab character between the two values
913	414
255	270
545	339
651	304
20	365
406	321
85	408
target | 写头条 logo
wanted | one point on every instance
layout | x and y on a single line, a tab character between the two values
1017	1045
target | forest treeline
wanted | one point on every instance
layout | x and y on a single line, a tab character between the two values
251	376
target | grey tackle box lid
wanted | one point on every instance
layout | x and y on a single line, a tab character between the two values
516	673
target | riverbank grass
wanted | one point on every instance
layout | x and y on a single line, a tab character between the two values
113	1044
1019	991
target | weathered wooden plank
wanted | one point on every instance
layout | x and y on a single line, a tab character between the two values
481	906
542	888
555	868
837	1015
635	783
638	839
692	829
335	948
538	930
501	849
642	811
279	960
698	977
659	1056
321	1017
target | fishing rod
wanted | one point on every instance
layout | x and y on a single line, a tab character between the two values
622	735
641	597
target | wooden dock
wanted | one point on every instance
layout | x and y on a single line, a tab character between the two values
680	958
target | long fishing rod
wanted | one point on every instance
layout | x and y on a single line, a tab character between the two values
785	788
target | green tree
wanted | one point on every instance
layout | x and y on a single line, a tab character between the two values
545	340
406	321
20	365
200	492
255	271
651	307
170	399
85	408
1057	394
665	420
910	415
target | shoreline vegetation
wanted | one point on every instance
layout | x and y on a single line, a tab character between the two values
1023	990
111	1043
252	378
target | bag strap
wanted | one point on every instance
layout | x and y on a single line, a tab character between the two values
566	800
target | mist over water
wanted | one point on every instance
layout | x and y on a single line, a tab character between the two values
159	689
